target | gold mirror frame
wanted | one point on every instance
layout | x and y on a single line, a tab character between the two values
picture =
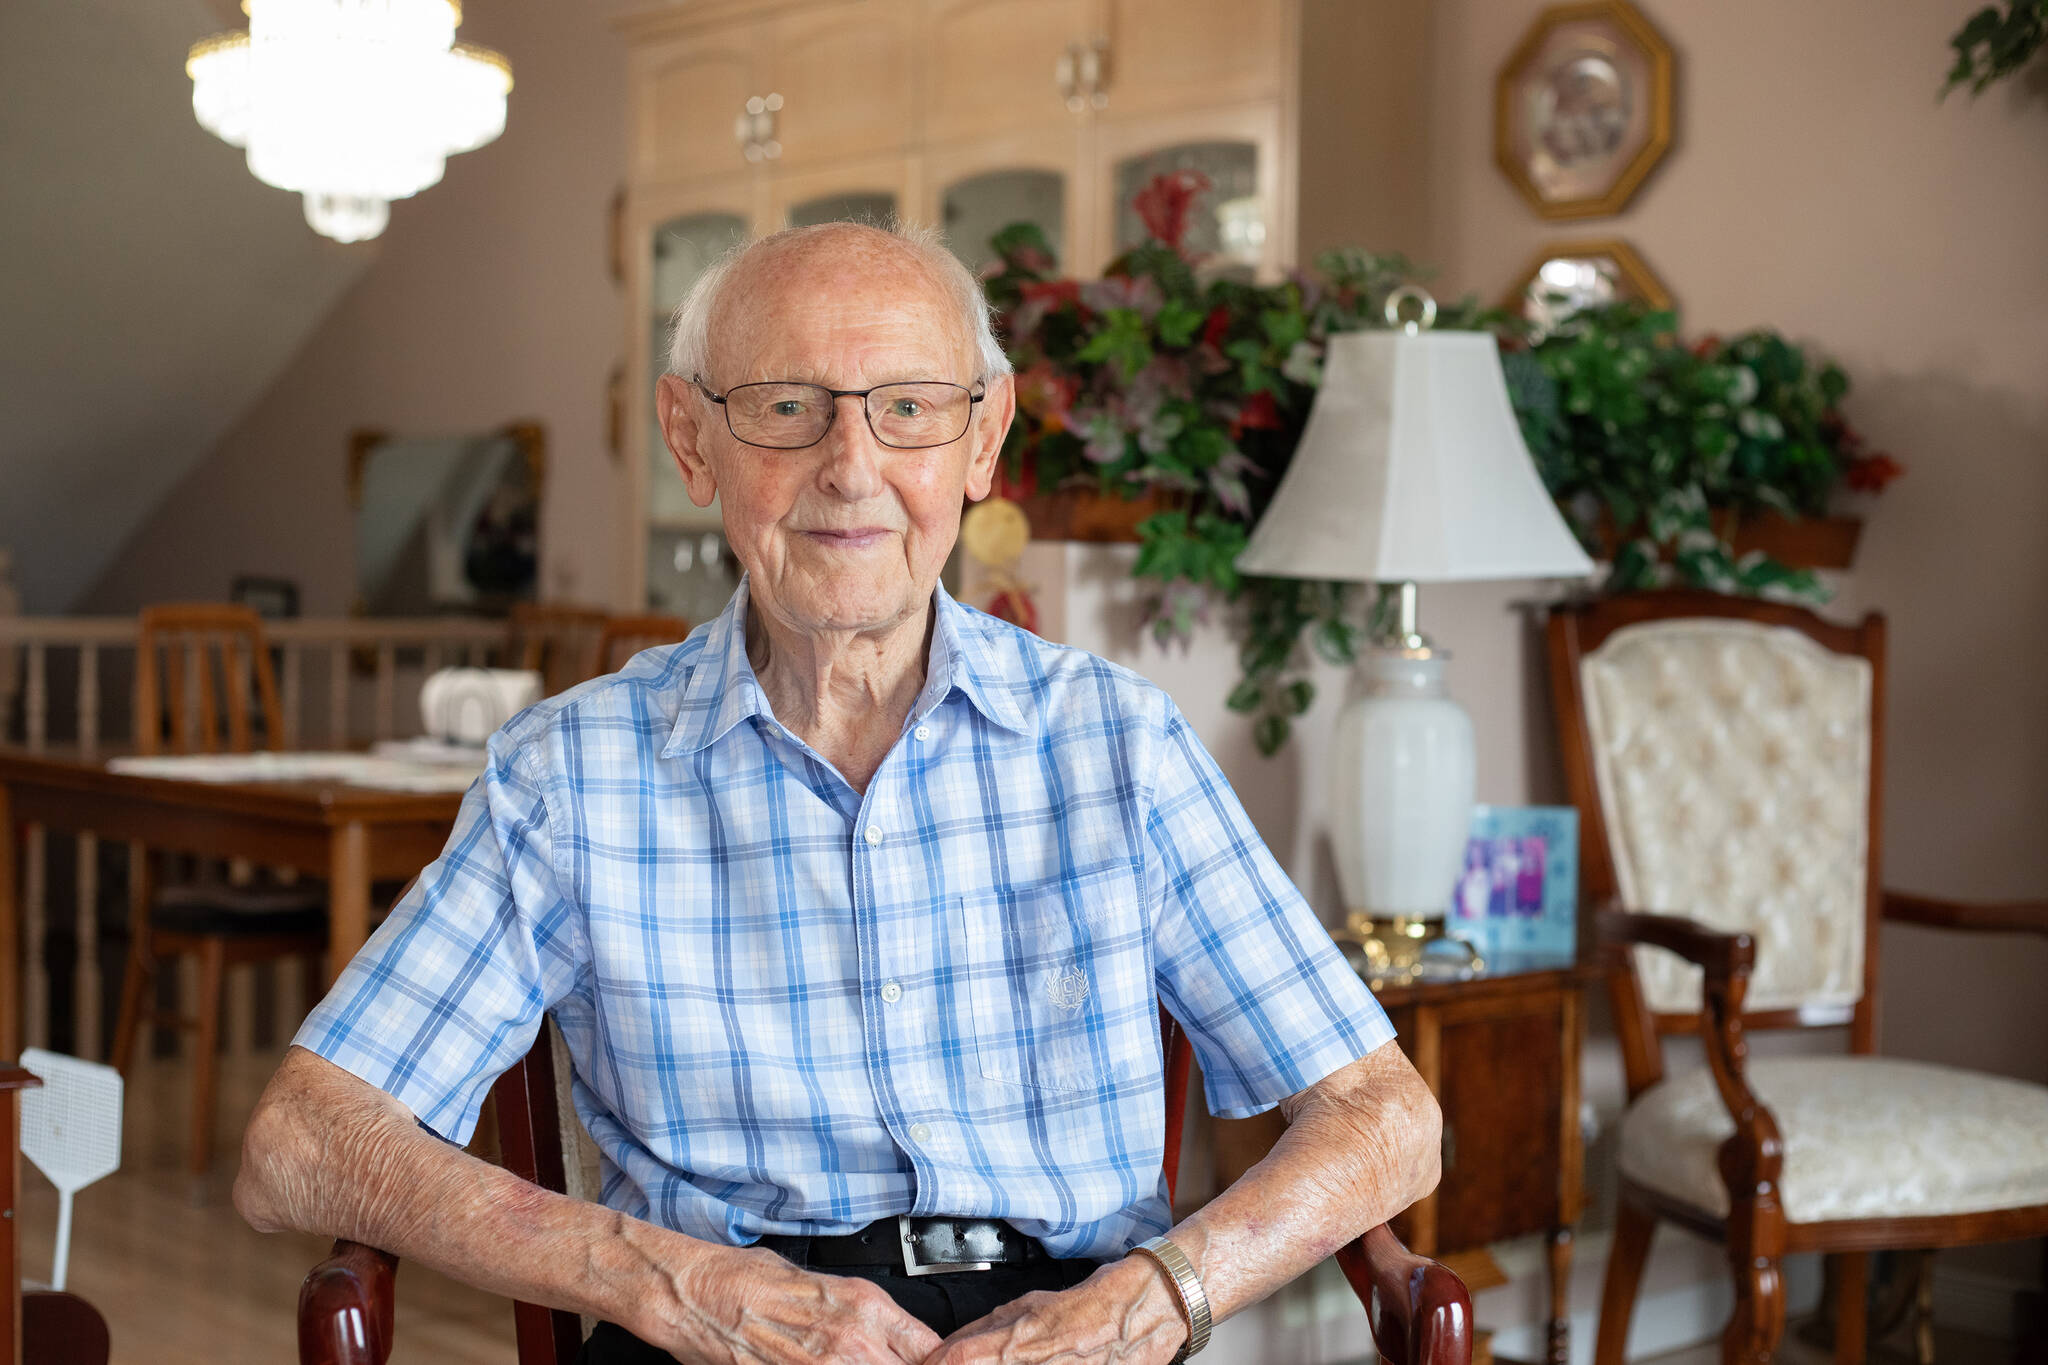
1623	26
1639	282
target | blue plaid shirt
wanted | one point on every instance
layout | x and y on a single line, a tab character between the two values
793	1007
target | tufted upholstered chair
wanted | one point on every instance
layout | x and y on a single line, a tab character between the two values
1726	759
1419	1311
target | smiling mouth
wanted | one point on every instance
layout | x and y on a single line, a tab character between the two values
859	538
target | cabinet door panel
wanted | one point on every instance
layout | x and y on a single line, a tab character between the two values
873	190
691	92
979	189
1181	54
1502	1088
1244	222
671	233
845	76
993	66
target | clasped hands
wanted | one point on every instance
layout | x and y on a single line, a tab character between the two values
762	1310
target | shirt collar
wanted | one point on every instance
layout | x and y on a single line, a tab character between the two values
722	690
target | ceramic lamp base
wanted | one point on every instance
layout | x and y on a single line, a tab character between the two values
1399	950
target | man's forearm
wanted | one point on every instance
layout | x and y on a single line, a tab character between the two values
331	1155
1359	1147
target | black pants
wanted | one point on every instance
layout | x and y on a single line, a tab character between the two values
944	1303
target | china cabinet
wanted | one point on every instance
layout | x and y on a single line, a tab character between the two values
750	115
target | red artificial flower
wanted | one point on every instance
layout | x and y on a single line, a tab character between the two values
1870	473
1259	413
1017	488
1054	293
1164	204
1215	326
1706	346
1047	394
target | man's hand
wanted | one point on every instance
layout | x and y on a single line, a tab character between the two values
749	1306
1123	1314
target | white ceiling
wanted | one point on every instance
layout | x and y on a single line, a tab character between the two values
149	286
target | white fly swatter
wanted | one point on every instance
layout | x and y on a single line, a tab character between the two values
71	1130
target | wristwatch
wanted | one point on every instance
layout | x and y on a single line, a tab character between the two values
1187	1286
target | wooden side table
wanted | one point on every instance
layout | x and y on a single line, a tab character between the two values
1501	1054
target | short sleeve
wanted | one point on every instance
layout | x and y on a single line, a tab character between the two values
449	991
1242	962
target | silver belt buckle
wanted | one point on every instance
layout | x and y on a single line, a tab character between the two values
912	1266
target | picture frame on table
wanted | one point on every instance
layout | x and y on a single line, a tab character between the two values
1518	894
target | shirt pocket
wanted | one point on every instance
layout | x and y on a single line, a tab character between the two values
1059	984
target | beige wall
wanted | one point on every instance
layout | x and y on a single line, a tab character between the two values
1815	185
490	302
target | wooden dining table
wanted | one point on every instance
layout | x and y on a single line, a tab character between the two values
351	835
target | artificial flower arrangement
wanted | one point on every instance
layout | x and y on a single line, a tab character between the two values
1165	378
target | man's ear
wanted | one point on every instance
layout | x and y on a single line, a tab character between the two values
991	424
681	409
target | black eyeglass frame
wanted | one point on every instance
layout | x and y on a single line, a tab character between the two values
697	382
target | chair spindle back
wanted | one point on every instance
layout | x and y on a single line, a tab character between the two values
201	668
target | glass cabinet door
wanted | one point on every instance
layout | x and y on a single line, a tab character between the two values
852	206
1228	222
974	209
688	571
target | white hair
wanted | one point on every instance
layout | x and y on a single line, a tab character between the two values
689	349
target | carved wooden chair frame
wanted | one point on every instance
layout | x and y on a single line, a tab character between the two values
1756	1232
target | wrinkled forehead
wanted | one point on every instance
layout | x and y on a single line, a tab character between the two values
847	314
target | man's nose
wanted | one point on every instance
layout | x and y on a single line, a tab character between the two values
853	456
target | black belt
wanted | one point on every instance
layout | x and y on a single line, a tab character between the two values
913	1246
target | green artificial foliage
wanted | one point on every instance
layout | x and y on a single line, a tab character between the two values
1163	377
1994	44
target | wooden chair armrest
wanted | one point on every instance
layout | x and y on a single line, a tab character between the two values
1722	956
1419	1310
345	1307
1752	1158
1993	917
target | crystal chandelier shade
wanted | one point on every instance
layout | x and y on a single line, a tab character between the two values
350	103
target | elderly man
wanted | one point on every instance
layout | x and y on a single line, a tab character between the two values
855	911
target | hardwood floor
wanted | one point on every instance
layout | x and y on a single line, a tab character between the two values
181	1278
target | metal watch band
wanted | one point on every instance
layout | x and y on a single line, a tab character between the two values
1194	1303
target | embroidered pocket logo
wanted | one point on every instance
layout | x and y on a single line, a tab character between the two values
1067	989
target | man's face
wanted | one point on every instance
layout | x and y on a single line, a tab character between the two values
848	534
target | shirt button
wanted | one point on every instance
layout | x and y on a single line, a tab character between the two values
921	732
874	835
920	1132
892	992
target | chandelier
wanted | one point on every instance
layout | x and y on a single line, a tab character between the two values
350	103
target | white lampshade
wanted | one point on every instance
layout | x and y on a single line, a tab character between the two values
1412	470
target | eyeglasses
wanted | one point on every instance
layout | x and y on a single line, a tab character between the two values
785	416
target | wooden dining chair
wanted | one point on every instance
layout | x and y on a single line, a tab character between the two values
1726	758
557	641
625	636
1419	1312
204	684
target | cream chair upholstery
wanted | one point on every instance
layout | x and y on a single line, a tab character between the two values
1865	1137
1733	763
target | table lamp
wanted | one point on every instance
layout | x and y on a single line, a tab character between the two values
1411	470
